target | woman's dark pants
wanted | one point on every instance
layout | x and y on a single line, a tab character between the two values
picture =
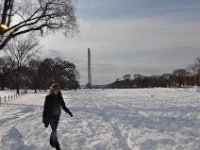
53	138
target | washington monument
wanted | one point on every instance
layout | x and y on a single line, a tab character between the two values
89	84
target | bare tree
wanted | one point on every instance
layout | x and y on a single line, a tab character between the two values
196	68
180	76
20	50
127	77
166	76
5	69
196	65
43	16
34	65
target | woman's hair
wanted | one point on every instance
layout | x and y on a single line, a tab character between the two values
52	93
55	87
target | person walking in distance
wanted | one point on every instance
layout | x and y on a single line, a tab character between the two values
52	111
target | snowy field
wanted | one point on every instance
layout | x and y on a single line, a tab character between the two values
6	93
137	119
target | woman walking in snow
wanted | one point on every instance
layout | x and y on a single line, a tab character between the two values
51	114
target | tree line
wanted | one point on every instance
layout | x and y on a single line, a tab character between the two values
38	74
21	22
179	78
20	67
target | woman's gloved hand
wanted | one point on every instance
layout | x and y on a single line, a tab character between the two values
70	114
46	125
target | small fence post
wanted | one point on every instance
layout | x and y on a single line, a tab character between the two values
8	98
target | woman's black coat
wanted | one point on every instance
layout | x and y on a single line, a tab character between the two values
52	108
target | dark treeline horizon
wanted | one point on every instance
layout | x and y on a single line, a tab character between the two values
179	78
39	74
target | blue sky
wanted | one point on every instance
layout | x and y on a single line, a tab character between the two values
130	36
95	10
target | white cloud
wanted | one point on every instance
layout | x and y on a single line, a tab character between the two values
131	44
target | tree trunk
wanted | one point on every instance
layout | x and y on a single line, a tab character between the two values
35	85
18	79
2	83
166	83
198	79
17	88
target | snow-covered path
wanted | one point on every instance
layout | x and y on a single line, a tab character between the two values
137	119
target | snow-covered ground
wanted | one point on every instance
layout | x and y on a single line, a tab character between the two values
136	119
7	93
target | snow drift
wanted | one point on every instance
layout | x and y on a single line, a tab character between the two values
135	119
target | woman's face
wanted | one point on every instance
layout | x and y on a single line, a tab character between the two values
56	91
